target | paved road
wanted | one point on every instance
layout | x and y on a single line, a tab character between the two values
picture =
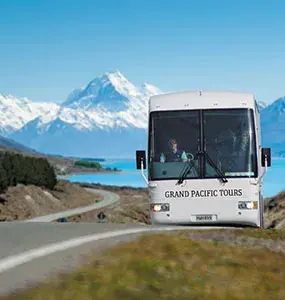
30	252
109	198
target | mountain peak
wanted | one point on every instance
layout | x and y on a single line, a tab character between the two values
108	110
109	77
121	83
114	73
111	91
280	100
13	98
277	106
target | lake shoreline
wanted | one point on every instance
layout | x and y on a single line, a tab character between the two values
128	175
85	171
99	172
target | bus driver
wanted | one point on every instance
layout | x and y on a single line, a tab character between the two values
174	154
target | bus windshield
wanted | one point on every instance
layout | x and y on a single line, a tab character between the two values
226	136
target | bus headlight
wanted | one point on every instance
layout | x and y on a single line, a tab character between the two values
247	204
159	207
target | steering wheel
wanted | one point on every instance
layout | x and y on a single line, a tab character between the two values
191	156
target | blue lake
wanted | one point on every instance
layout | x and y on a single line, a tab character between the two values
274	180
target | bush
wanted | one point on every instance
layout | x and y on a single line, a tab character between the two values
16	168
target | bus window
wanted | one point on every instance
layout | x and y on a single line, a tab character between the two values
173	142
228	139
230	142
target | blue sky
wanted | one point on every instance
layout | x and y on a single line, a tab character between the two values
48	48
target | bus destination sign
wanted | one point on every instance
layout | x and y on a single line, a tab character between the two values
204	193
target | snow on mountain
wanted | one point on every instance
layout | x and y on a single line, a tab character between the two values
107	117
148	90
261	105
111	100
113	96
107	101
15	113
109	110
111	91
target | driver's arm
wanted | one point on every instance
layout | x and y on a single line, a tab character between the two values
184	157
162	158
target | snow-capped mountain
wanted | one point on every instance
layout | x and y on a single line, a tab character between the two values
277	107
261	105
111	91
109	111
115	98
107	117
15	113
273	126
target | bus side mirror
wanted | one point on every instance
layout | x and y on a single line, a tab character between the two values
140	157
266	157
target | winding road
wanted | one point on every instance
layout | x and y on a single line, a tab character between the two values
36	249
108	198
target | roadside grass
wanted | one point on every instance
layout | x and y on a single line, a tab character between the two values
270	234
273	234
171	267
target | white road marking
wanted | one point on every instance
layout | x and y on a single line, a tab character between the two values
19	259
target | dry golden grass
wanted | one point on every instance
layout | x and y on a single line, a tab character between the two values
273	234
133	207
261	234
275	211
171	267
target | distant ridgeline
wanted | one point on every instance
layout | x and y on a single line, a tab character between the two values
16	168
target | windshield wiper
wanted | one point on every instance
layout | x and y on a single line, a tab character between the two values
215	167
191	164
185	171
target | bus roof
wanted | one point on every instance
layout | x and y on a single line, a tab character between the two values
202	100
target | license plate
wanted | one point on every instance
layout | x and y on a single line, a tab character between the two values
203	218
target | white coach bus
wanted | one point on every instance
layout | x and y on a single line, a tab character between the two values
205	161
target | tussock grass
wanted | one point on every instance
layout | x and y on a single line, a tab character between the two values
268	234
171	267
273	234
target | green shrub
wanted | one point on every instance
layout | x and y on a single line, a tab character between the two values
88	164
16	168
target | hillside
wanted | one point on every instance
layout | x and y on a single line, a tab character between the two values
275	211
8	144
26	201
134	208
62	165
29	188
